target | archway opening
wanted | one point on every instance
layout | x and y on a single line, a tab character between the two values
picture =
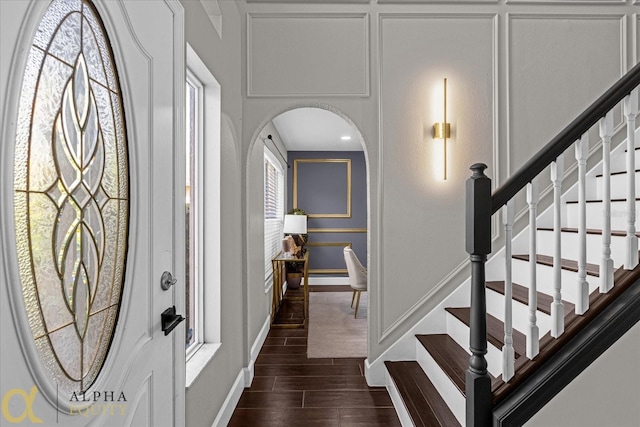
323	163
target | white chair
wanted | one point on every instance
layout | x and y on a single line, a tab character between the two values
357	275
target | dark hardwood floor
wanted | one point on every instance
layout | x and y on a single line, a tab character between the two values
290	389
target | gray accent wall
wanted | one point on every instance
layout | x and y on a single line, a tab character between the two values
322	185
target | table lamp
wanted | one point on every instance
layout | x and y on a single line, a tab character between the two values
295	225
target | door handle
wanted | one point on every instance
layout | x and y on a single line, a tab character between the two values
169	320
167	280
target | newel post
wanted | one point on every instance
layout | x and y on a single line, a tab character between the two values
478	224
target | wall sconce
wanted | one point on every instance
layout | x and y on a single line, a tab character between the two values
443	130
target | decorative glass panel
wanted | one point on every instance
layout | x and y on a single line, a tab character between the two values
71	193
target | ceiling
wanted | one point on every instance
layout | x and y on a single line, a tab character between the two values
315	129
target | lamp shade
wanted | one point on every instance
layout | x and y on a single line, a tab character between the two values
295	224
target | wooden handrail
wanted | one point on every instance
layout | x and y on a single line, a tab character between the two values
481	205
565	138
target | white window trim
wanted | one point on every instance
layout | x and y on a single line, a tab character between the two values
208	273
196	196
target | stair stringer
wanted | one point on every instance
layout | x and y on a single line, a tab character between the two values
404	348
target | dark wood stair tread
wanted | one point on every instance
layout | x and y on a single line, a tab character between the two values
452	359
617	233
521	294
448	354
616	173
495	330
422	400
599	201
567	264
573	324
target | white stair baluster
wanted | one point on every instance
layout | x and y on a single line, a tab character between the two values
508	354
582	151
630	111
557	308
606	264
533	345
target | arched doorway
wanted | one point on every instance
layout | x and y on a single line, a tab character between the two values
324	166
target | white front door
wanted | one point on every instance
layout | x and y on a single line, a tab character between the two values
141	382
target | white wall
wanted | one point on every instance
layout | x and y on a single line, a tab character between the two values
207	393
517	73
605	394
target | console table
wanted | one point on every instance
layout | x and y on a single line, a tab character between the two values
279	263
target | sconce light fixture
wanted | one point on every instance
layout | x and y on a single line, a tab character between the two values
443	130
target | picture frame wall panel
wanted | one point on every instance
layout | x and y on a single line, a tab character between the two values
569	2
322	183
444	2
327	251
328	257
307	54
636	35
310	1
417	51
323	195
583	56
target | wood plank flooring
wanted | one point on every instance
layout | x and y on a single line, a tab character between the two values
290	389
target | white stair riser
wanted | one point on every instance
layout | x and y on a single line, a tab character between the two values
569	246
460	334
594	215
545	280
618	184
446	388
618	159
520	318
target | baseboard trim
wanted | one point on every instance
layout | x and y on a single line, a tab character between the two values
249	371
404	347
328	281
230	402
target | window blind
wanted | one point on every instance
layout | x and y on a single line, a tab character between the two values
273	212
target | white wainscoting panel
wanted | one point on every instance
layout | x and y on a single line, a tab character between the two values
307	54
560	60
417	51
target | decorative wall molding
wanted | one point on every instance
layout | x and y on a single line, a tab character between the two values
317	244
451	281
310	1
635	32
328	270
445	283
212	7
445	2
296	167
337	230
359	33
509	19
568	2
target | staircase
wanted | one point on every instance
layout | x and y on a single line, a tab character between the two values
562	253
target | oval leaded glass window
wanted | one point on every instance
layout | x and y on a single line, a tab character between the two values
71	193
